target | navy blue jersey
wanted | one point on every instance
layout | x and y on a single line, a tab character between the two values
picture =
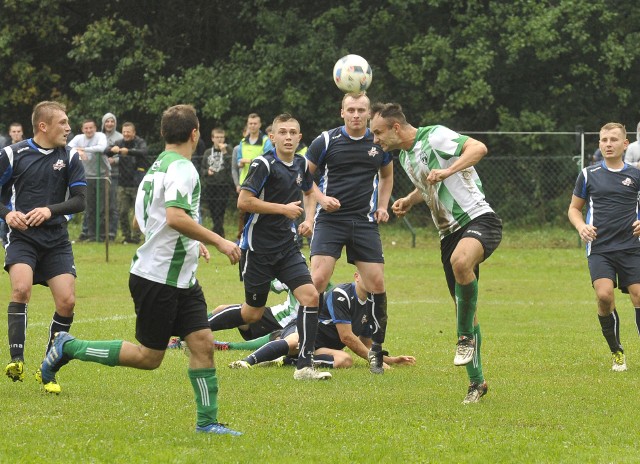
348	170
32	177
342	306
273	181
612	205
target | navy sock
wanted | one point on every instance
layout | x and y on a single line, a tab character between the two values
307	324
17	319
228	318
269	352
58	324
611	330
379	312
323	360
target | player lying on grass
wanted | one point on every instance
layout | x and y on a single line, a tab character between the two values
343	322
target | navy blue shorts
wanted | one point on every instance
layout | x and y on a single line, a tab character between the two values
622	267
361	238
486	228
258	270
163	311
46	249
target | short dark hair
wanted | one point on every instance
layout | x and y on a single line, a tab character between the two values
178	122
90	120
392	111
284	117
129	124
43	112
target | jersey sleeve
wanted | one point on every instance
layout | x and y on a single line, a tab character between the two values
580	190
317	150
76	169
6	168
339	306
257	175
447	143
179	184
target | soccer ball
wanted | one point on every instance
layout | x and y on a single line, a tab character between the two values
352	73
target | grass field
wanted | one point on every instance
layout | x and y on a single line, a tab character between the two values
552	397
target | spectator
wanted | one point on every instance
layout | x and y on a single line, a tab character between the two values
632	155
109	124
91	145
16	133
132	152
251	146
216	179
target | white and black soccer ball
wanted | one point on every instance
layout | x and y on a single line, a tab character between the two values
352	73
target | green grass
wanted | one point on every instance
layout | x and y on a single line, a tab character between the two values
552	397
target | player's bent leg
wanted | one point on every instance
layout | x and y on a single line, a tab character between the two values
321	271
341	359
201	346
251	314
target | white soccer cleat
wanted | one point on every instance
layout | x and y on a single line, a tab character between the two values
619	362
241	364
464	351
309	373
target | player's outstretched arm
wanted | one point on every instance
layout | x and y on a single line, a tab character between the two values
178	219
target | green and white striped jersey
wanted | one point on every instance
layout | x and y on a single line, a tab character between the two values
459	198
167	256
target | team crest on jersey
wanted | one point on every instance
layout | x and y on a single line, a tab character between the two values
373	151
59	165
299	180
627	182
364	319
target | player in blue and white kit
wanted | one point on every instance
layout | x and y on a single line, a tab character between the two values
356	179
42	183
610	189
270	195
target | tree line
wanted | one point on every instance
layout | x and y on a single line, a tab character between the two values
471	65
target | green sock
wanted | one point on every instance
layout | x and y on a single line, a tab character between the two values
251	344
102	352
474	368
466	299
205	387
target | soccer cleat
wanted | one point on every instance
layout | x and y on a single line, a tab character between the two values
218	429
376	361
619	362
309	373
221	346
15	370
241	364
52	362
278	362
174	343
50	387
475	392
464	351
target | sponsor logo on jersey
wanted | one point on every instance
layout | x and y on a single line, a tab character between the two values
341	298
475	232
336	136
627	182
59	165
373	151
299	180
22	149
364	319
254	164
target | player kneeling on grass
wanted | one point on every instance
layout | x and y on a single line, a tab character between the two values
342	323
611	189
167	297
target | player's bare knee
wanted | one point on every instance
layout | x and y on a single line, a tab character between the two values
21	293
342	362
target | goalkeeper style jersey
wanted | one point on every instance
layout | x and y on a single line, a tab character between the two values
167	256
459	198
